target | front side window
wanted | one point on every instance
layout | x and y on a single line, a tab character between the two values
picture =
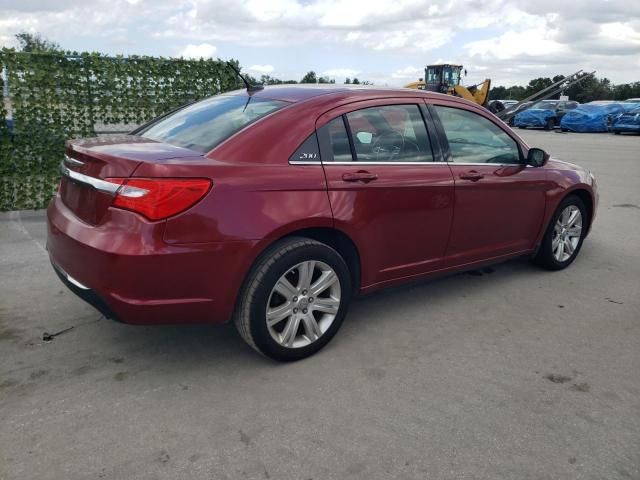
475	139
393	133
204	125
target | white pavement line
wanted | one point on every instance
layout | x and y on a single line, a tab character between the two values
16	220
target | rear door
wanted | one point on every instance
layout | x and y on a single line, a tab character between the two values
499	201
388	187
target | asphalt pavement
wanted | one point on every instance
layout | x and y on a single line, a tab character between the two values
505	373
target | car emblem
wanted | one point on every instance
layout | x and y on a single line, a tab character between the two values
72	162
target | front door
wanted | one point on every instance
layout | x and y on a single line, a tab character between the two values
499	201
386	190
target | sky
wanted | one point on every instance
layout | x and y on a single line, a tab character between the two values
387	42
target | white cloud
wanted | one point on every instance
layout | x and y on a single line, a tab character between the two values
203	50
410	72
261	69
341	73
507	40
536	42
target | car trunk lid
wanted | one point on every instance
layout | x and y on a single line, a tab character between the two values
88	164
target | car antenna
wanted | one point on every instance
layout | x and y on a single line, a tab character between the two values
250	88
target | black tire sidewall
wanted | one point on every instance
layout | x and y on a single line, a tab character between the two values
546	256
259	330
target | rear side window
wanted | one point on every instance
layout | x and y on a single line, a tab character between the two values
204	125
308	151
393	133
336	132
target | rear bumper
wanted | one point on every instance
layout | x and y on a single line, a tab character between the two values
84	292
126	271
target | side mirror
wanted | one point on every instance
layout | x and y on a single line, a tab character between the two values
537	157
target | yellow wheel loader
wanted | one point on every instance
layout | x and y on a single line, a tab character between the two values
445	78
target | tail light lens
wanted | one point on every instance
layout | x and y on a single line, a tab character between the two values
158	198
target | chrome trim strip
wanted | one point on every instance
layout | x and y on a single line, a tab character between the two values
72	162
69	278
98	184
492	164
408	163
355	164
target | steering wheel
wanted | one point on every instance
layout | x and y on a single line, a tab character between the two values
390	144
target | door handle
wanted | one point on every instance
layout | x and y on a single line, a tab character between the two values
360	176
471	175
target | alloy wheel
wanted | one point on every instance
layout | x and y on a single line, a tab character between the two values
566	233
303	304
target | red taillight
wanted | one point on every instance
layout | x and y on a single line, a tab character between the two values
158	198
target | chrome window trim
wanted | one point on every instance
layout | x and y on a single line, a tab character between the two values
384	163
96	183
491	164
408	163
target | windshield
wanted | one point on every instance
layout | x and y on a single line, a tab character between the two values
546	105
204	125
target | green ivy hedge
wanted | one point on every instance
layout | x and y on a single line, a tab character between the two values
56	96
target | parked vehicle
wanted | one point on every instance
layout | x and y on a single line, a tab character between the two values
514	110
593	116
496	106
546	114
274	207
632	100
627	122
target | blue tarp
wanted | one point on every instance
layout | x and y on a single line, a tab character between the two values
628	121
533	117
592	118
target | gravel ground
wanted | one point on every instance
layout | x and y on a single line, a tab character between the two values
510	372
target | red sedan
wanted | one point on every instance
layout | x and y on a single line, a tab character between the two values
274	207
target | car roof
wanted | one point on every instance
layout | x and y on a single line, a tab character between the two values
299	93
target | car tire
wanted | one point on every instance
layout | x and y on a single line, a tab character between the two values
522	127
616	132
559	248
308	323
550	125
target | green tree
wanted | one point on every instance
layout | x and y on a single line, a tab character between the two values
34	42
310	77
355	81
537	84
498	93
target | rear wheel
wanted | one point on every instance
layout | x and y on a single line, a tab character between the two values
550	125
617	132
564	236
294	299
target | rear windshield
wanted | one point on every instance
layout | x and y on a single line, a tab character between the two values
205	124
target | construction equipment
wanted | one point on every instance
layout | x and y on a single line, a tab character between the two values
445	78
508	113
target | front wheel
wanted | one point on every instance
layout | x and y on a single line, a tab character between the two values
294	299
564	236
